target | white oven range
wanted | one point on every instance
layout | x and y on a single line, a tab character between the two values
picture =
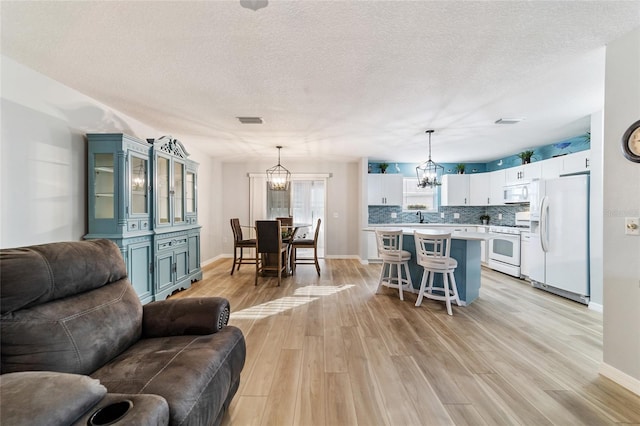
504	249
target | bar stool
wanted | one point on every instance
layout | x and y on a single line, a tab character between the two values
433	253
390	251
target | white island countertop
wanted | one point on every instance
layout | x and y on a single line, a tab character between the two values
408	230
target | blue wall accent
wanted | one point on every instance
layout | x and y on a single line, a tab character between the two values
471	215
567	146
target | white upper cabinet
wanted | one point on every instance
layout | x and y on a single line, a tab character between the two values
480	189
384	189
576	163
497	179
571	163
524	173
552	168
454	190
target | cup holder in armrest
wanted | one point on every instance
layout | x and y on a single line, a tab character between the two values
110	414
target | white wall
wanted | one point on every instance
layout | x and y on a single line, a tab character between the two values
596	208
621	253
43	156
342	233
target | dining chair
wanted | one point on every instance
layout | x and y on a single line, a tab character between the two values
433	253
239	242
391	252
271	251
286	220
287	227
305	243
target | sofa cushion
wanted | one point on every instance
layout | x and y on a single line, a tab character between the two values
76	334
47	398
42	273
193	373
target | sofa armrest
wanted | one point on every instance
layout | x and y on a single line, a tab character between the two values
175	317
47	397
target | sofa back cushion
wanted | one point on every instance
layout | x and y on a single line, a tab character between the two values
83	314
42	273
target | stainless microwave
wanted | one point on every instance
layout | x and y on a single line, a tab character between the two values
517	193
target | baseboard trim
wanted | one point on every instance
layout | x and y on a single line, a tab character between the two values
344	256
213	259
596	307
621	378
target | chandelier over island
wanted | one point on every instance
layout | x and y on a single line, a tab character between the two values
429	173
278	177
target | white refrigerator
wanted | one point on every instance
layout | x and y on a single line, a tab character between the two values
559	245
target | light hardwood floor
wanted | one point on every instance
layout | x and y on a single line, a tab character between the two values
328	351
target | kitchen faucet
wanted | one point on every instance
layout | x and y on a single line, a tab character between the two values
419	213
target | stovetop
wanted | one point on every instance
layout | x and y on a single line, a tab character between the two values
506	229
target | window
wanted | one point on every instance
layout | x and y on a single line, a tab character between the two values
278	202
415	198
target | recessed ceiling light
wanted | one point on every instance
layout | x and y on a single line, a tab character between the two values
508	120
250	120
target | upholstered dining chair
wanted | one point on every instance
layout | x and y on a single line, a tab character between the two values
239	242
271	252
305	243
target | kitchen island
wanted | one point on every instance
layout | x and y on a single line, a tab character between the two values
465	248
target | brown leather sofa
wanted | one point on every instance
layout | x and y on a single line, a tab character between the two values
74	338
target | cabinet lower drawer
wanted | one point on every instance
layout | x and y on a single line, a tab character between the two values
172	243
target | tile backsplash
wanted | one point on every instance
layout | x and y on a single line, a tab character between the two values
468	215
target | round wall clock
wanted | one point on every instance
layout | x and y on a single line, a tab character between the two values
631	142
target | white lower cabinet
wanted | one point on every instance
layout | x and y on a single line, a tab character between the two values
525	242
372	246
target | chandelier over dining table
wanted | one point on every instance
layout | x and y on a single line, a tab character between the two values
429	173
278	177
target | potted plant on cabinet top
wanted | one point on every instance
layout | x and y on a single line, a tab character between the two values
460	168
383	167
525	156
485	219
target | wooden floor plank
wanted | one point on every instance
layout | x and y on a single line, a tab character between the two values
339	408
329	351
281	403
311	403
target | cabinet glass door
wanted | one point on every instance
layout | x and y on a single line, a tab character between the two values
104	188
178	192
191	192
138	182
163	191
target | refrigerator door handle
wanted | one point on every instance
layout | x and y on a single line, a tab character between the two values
544	224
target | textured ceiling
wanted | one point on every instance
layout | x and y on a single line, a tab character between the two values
332	79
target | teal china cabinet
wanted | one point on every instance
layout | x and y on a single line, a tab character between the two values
143	196
176	229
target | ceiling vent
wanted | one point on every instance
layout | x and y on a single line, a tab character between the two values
250	120
508	120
